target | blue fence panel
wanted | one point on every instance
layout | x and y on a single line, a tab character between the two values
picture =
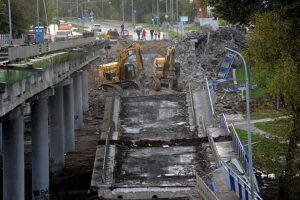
238	185
238	146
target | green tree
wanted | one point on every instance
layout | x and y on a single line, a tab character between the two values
274	49
236	11
3	17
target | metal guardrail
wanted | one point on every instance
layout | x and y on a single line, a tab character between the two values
238	146
238	185
224	124
211	102
193	108
22	52
204	190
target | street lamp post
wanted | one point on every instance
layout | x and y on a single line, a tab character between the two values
248	123
9	21
123	16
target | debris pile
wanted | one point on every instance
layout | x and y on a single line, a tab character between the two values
204	61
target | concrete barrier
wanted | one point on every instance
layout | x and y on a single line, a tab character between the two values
22	52
18	92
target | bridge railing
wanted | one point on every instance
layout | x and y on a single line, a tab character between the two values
22	52
212	98
204	190
238	145
238	184
224	124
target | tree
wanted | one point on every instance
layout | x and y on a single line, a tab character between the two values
19	18
236	11
3	17
274	49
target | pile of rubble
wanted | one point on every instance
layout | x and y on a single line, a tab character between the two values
204	61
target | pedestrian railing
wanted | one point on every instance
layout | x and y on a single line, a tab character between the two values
224	124
211	102
238	145
238	184
204	190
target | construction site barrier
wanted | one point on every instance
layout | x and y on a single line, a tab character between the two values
238	185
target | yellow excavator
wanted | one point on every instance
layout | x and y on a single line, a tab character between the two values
166	70
122	73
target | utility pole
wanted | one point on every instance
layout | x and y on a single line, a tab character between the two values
57	8
9	21
45	9
123	11
77	8
157	4
177	17
132	11
102	10
37	13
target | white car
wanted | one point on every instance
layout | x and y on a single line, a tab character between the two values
96	28
64	35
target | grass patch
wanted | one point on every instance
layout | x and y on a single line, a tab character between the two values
79	30
264	115
191	27
240	78
268	155
173	34
280	127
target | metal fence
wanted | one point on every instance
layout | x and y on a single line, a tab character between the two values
238	184
223	123
238	145
4	39
22	52
204	190
212	99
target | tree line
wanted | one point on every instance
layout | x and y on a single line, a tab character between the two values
24	12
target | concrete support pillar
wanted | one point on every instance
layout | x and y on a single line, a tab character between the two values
85	90
13	156
69	118
40	149
57	131
78	111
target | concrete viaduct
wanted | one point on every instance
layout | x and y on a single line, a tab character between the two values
56	98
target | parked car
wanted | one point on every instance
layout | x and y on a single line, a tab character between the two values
125	34
64	35
96	28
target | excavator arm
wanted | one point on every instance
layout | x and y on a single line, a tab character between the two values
125	54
